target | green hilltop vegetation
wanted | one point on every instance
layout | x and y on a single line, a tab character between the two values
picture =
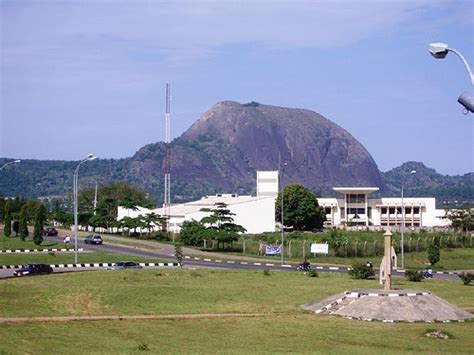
206	171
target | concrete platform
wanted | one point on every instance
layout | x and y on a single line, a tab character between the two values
390	306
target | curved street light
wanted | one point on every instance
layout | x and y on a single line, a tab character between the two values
440	51
9	163
402	249
75	183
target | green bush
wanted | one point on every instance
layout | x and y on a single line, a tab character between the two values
361	271
313	273
414	275
466	277
433	254
266	272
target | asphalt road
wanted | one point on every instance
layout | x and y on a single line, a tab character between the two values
198	262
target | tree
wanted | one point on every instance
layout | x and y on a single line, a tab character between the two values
178	252
7	217
16	227
433	254
23	228
152	219
220	225
461	219
40	217
192	233
301	208
336	240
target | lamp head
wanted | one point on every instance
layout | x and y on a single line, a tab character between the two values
17	161
413	172
91	157
439	50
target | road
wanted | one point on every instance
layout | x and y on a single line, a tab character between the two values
204	260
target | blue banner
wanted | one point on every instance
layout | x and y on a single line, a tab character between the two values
272	250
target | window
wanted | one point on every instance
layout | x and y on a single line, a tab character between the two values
384	210
328	210
416	210
356	198
369	212
343	212
391	210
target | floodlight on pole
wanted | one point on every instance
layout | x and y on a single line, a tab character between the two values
440	51
402	245
75	190
9	163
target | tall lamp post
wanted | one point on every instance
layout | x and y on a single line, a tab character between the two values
9	163
282	209
440	51
403	223
75	183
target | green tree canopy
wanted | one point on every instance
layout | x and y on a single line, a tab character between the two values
300	208
23	230
7	220
40	217
220	224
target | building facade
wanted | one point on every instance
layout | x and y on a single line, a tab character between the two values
354	207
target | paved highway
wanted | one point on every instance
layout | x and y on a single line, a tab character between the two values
204	261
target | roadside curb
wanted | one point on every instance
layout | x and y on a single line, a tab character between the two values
87	265
13	251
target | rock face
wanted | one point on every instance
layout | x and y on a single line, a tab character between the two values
319	153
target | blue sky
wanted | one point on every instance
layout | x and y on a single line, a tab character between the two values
89	76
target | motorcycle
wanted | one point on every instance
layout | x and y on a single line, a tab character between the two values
303	267
427	274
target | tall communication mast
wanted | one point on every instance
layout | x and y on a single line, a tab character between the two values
167	198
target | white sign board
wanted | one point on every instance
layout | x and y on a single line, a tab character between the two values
319	248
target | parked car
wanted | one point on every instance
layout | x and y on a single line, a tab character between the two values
125	265
33	269
50	232
93	239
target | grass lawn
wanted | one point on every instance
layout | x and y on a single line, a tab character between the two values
16	243
68	258
285	329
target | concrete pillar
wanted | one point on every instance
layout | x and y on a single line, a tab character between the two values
388	261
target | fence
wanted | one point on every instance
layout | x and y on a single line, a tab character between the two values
297	248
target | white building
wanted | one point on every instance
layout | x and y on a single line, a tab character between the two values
255	213
354	207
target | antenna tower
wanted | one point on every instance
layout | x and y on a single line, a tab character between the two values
167	199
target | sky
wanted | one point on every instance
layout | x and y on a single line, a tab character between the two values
89	76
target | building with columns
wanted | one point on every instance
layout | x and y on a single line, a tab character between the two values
355	207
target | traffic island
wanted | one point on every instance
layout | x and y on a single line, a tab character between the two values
390	306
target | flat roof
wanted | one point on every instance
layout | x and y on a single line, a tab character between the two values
355	190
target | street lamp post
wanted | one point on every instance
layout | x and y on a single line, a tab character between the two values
403	224
440	51
75	183
282	209
9	163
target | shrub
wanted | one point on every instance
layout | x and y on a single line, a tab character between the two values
266	272
313	273
433	254
414	275
361	271
466	278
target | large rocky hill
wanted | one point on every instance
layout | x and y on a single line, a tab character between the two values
222	150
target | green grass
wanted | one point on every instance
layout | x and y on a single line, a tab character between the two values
285	329
68	258
17	243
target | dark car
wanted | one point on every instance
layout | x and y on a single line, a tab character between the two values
33	269
125	265
50	232
93	239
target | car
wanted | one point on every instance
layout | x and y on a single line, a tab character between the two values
33	269
119	265
50	232
93	239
